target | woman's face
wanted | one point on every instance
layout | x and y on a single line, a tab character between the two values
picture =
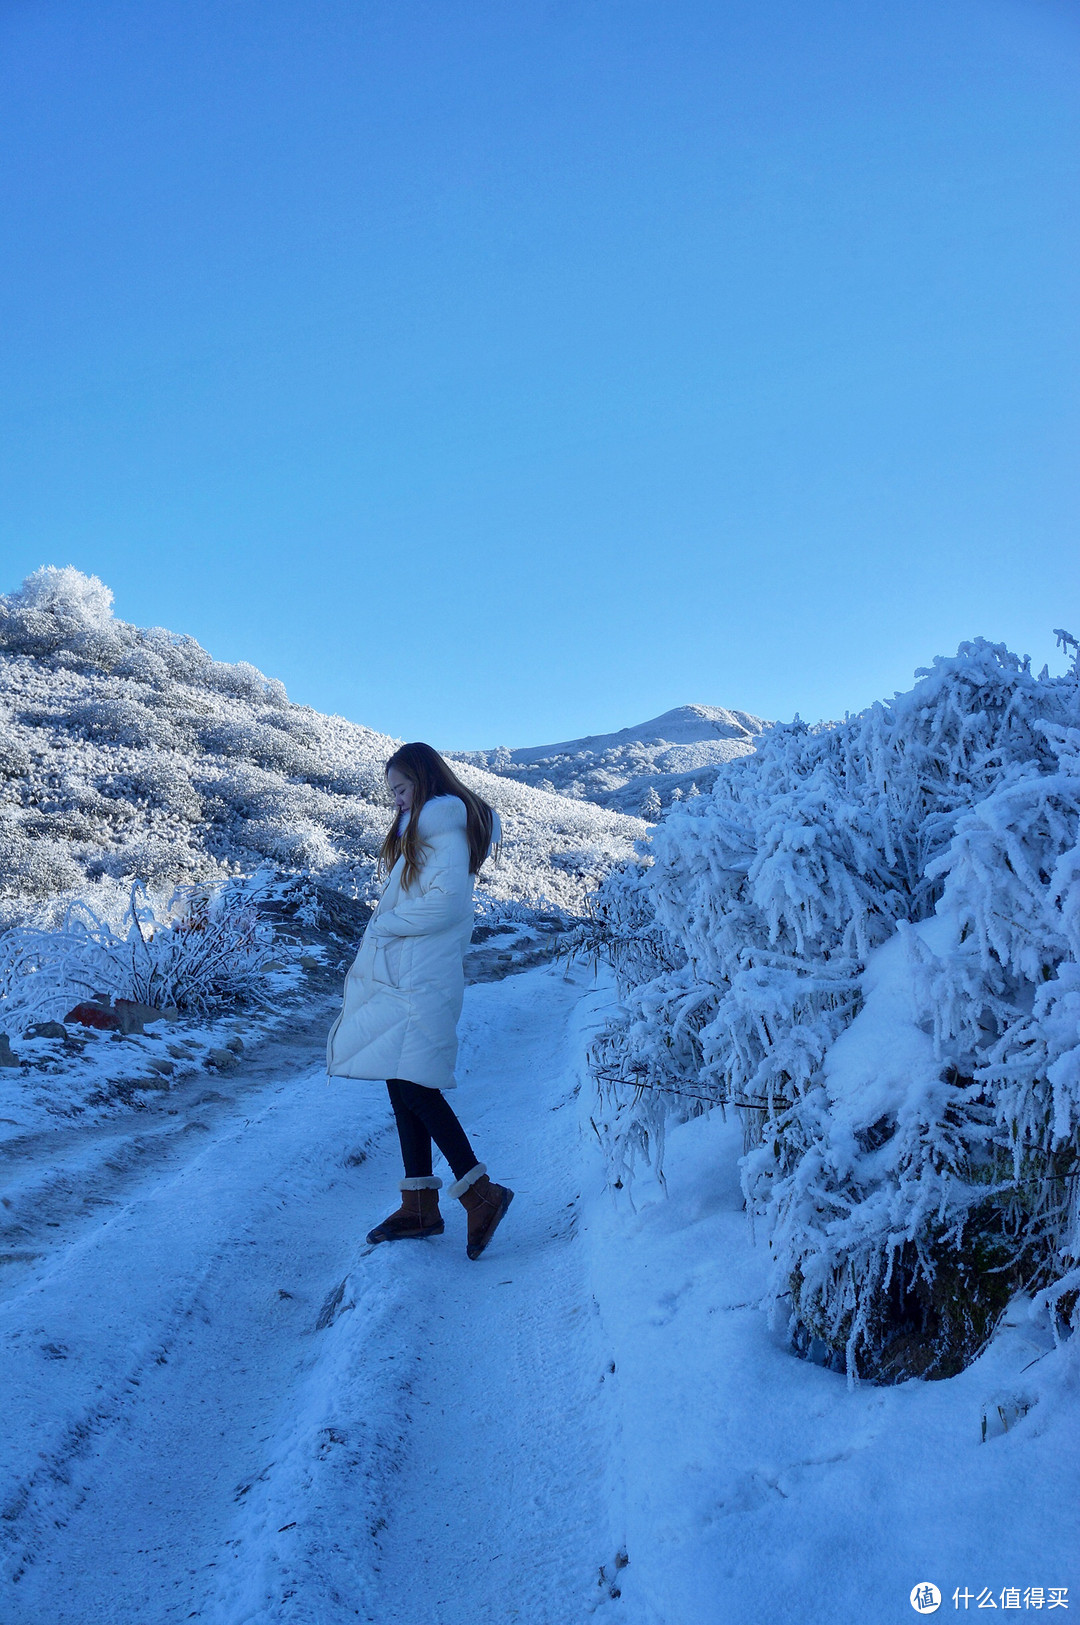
401	789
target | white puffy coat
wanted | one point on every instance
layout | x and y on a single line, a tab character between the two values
404	989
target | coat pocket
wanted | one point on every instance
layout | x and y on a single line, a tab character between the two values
386	966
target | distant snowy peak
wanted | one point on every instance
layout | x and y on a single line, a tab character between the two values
685	725
636	770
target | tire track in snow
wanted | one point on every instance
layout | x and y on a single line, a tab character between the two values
437	1452
57	1178
144	1366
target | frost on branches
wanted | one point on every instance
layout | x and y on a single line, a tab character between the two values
207	948
867	939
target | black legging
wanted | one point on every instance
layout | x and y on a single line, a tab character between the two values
423	1115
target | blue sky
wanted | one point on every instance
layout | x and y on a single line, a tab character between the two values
500	372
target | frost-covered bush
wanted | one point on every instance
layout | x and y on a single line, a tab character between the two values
242	679
65	597
205	949
270	745
301	845
160	780
155	857
228	737
34	868
129	722
61	611
15	760
144	666
864	940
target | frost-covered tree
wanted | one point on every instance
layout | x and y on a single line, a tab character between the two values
864	940
67	595
651	805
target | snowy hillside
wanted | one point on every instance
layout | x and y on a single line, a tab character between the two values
638	770
129	752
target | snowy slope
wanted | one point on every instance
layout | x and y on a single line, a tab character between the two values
223	1406
131	752
668	755
685	725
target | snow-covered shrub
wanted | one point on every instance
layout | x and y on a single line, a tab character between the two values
861	942
244	681
277	749
154	857
54	606
122	722
15	760
144	665
36	867
230	736
236	790
302	845
67	594
160	780
61	610
206	949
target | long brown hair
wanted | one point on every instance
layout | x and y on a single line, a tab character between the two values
430	776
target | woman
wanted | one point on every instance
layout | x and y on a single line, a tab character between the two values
403	994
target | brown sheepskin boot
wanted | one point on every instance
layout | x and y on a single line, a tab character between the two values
485	1204
417	1216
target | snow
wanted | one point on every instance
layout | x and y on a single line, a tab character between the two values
222	1405
766	1488
638	769
685	725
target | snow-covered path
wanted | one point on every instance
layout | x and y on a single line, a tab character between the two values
183	1442
146	1363
500	1511
220	1404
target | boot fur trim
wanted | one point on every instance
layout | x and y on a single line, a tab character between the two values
460	1186
421	1182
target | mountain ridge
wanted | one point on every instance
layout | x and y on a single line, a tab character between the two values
682	725
636	770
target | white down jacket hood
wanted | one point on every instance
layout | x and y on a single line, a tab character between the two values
404	990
